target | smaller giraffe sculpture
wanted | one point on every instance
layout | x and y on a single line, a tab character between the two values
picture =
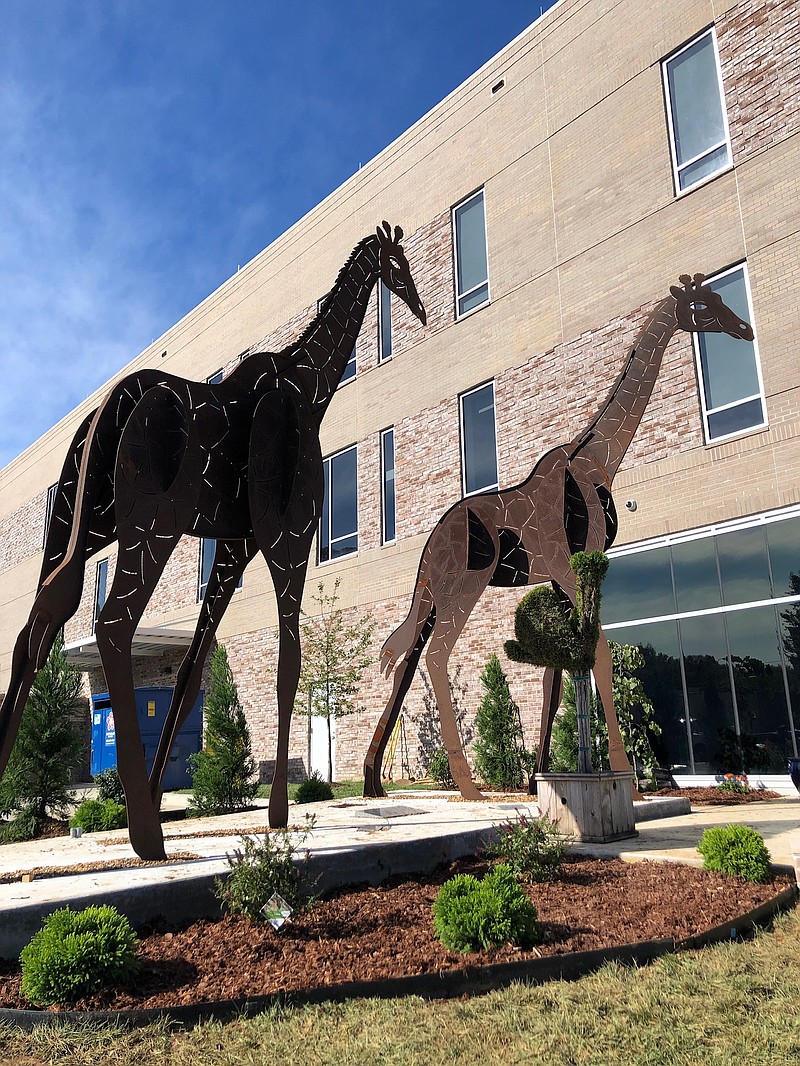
527	534
238	460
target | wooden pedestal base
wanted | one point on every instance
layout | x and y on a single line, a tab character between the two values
592	808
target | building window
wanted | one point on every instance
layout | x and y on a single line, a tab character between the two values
472	268
478	440
208	549
350	367
731	391
338	528
100	590
388	527
49	504
698	126
216	377
384	323
716	614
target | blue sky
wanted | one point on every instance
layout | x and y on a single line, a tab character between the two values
149	148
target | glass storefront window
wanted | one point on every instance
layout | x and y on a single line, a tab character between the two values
694	564
638	586
661	678
743	565
784	556
708	689
765	735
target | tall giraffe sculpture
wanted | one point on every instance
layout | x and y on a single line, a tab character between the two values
239	461
526	535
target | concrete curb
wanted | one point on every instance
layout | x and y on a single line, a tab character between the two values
190	898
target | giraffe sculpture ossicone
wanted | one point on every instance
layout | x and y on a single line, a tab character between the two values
238	461
527	534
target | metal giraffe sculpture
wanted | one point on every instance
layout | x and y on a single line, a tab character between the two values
526	535
239	461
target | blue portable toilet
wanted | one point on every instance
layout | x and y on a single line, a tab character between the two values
152	705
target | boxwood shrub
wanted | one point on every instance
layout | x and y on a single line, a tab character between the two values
471	914
735	849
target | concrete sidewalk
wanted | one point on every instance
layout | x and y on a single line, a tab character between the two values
353	840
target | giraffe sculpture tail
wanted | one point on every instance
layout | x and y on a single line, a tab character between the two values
402	640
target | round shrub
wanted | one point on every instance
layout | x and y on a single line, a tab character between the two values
77	952
95	816
314	789
109	786
737	850
470	915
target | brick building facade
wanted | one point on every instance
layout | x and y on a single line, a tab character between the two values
605	154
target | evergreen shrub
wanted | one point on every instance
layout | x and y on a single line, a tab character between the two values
95	816
314	789
471	914
77	952
498	743
738	850
224	772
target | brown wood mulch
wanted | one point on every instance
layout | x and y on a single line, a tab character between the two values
372	933
716	797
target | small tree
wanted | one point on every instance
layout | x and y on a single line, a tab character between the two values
499	743
223	773
47	750
550	634
335	655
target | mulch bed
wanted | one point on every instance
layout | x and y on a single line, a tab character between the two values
716	797
372	933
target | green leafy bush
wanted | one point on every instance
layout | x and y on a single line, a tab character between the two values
77	952
532	848
23	826
439	769
264	865
470	915
314	789
95	816
109	786
737	850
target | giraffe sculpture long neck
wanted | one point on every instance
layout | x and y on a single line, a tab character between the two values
610	433
323	350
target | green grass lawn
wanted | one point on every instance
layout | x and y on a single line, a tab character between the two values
723	1006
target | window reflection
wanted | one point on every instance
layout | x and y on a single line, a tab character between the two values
784	556
765	738
743	565
661	678
708	688
638	586
694	564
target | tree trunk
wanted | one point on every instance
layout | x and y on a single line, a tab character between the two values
583	695
330	748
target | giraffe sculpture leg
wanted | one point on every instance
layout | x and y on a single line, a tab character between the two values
116	626
446	631
403	676
230	559
551	700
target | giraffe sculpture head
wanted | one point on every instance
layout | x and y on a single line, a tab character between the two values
701	310
395	271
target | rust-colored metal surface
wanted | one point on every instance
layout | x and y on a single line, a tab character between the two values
527	534
238	461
